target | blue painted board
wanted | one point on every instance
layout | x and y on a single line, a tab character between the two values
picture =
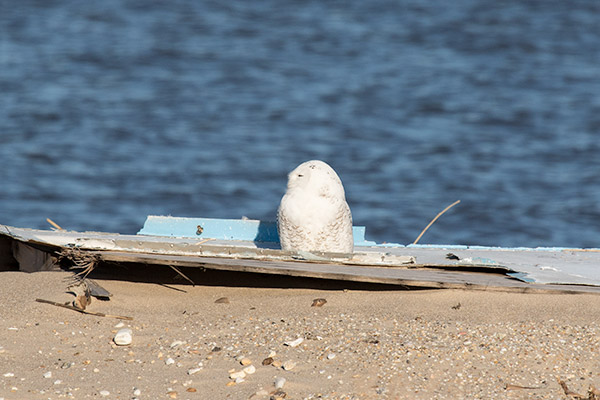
225	229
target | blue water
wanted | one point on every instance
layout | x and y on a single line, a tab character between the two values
113	110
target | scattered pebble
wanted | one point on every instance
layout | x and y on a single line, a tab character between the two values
176	343
267	361
276	364
104	393
279	382
245	361
169	361
48	374
294	343
279	395
172	394
136	391
191	390
272	354
9	375
330	356
123	337
318	302
119	325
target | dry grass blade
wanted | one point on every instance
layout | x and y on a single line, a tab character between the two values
80	259
435	219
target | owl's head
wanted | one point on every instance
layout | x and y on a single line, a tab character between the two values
318	178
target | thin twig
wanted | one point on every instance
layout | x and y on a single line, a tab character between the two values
181	273
435	219
82	311
54	224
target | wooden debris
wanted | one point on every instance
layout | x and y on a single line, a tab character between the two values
98	314
54	224
181	274
519	387
222	300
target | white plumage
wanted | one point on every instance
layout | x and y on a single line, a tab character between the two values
313	214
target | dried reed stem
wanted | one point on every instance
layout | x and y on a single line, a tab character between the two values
435	219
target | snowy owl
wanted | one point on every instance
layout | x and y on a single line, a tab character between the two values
313	214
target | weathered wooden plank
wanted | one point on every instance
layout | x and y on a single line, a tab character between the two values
415	277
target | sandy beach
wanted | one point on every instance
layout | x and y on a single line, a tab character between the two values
365	342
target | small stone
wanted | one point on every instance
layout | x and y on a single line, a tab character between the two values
318	302
239	380
169	361
230	383
191	390
294	343
136	392
330	356
194	370
119	325
9	375
57	382
176	343
289	365
272	354
48	375
222	300
279	395
279	382
277	364
236	375
267	361
172	394
245	361
249	370
123	337
104	393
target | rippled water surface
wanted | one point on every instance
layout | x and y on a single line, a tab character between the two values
113	110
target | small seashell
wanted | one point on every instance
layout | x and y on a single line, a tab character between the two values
279	382
249	370
289	365
172	394
48	374
294	343
277	364
136	392
191	390
272	354
330	356
176	343
120	325
104	393
169	361
239	380
123	337
222	300
318	302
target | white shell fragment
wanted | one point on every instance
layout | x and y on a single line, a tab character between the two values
294	343
237	375
123	337
249	370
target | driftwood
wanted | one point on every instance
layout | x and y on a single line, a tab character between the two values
67	306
